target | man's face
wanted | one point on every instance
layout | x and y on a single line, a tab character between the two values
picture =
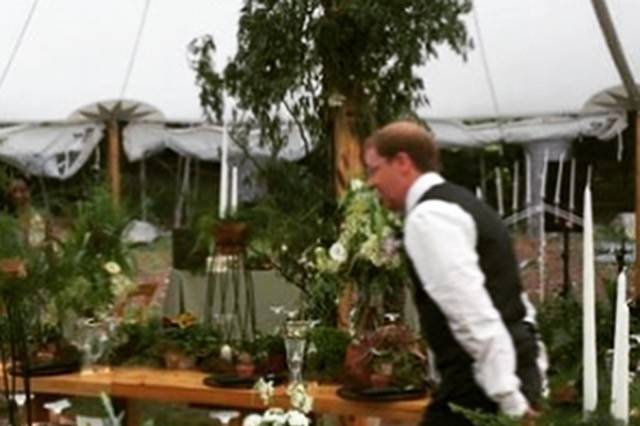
19	193
384	175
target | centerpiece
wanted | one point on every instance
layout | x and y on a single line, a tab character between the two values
366	260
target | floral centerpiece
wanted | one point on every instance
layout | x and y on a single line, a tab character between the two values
299	399
366	259
391	356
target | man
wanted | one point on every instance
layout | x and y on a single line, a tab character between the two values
468	290
32	224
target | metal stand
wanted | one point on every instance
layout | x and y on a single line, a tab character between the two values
230	293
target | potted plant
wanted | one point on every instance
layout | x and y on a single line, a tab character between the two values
183	341
389	356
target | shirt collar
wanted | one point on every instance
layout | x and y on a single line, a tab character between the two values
424	183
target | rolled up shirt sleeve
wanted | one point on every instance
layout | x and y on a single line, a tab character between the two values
440	238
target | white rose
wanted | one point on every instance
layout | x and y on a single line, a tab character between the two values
275	416
356	184
338	253
112	267
252	420
296	418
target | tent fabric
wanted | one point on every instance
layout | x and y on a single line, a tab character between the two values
454	134
531	58
59	151
56	151
142	140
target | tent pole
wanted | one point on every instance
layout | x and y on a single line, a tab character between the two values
617	54
113	159
636	268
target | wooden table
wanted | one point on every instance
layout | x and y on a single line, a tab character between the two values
133	384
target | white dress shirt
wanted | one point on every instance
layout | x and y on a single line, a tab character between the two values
440	238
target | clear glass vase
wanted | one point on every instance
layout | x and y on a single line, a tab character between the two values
295	340
92	339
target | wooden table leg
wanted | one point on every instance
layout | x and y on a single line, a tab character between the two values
133	412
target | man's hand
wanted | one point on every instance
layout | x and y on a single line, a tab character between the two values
530	417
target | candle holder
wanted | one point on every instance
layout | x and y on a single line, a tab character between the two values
230	293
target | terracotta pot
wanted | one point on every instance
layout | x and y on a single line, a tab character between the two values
230	237
177	360
245	370
380	380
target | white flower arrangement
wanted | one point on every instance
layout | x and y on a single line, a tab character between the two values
367	253
300	400
367	235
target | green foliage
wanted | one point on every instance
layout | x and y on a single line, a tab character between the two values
265	344
298	56
134	343
192	338
76	277
560	324
326	360
97	229
295	214
11	244
549	416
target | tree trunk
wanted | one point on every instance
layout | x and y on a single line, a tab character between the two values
347	149
113	161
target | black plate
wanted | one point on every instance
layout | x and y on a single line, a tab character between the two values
382	394
49	369
234	381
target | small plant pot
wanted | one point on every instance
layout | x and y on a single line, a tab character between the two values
231	237
177	360
245	370
380	380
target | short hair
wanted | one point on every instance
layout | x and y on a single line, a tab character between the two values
408	137
17	183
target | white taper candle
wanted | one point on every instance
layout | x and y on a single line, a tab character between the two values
499	191
543	176
234	190
590	363
620	370
572	186
556	198
527	163
516	185
224	175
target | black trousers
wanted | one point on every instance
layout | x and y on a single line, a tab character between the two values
470	396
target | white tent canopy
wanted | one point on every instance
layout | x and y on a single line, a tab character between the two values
531	57
74	53
540	61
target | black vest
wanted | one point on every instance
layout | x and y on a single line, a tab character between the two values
499	265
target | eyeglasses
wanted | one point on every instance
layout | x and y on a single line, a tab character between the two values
372	169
